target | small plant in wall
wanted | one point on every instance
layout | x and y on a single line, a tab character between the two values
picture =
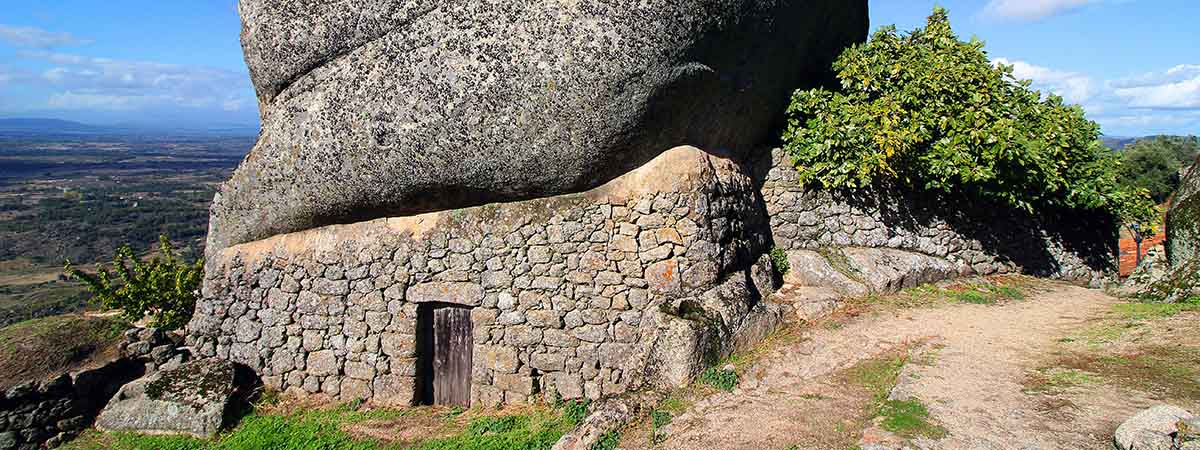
162	288
780	260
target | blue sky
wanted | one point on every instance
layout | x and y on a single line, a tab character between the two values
1133	64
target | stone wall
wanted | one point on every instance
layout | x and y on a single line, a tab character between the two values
40	414
46	413
976	236
570	294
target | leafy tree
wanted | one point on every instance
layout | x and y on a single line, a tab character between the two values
163	288
929	110
1154	163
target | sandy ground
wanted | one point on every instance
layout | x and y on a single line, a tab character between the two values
974	384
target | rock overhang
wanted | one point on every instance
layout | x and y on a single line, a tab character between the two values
411	107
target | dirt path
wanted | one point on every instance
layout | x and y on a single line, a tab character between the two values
974	384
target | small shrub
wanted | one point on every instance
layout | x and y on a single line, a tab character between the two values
780	260
163	288
720	378
658	420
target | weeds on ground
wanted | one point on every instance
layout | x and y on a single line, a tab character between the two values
907	418
608	441
720	378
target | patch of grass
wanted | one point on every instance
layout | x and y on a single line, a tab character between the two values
984	291
878	375
910	419
720	378
674	404
324	429
608	441
1152	311
1053	379
45	347
658	421
574	411
907	418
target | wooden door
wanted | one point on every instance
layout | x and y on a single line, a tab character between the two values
448	351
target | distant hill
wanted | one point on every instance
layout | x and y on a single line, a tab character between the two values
36	125
51	127
1118	142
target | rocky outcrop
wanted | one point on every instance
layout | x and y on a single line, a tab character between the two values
392	108
1183	221
577	294
1174	276
193	399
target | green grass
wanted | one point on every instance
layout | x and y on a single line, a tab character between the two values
906	418
608	441
531	432
878	375
323	429
910	419
1055	379
1128	317
719	378
1152	311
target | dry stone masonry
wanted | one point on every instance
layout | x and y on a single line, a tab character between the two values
968	236
570	295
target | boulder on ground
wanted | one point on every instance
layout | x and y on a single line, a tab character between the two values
194	399
396	107
887	270
810	268
1152	429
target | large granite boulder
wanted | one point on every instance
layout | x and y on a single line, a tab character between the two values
1152	429
1183	221
194	399
400	107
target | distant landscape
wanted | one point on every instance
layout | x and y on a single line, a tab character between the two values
70	191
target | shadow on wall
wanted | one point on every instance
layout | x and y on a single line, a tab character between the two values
987	234
1013	235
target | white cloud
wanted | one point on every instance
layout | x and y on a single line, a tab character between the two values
1031	9
1177	88
1072	86
84	82
1150	102
37	37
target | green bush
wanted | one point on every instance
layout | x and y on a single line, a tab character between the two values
780	260
929	110
723	379
163	288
